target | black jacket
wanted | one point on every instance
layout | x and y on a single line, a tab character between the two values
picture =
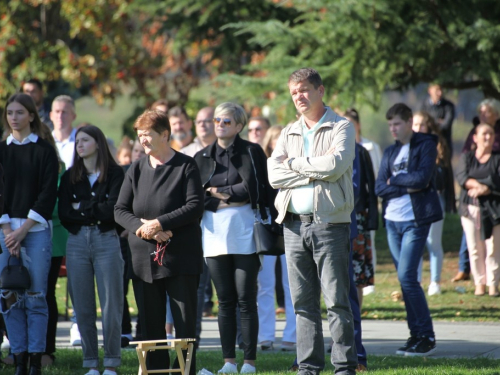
489	205
97	203
367	200
251	163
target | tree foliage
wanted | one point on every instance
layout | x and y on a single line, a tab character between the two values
364	47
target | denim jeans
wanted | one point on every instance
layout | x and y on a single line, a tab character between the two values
463	256
317	256
406	242
92	253
27	319
265	299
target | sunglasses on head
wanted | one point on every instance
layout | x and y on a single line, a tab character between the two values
225	121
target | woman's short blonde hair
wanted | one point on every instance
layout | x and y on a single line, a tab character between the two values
492	103
232	109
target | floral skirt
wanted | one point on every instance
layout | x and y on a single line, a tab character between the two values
362	259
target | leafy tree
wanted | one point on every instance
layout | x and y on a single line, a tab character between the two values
363	47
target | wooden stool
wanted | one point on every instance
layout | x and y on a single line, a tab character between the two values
143	347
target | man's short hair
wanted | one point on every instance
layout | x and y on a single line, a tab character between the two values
34	81
310	74
153	120
177	112
65	99
400	109
263	119
352	113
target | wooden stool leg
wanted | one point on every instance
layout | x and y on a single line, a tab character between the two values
180	357
189	358
141	354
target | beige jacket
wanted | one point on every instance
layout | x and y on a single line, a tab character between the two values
331	174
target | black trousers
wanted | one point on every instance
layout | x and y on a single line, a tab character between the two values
55	266
235	281
126	322
152	304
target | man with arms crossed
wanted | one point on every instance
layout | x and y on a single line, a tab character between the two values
410	204
312	167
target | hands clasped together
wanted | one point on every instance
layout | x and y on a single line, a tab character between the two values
13	239
152	230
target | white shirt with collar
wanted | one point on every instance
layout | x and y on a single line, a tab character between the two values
15	222
66	148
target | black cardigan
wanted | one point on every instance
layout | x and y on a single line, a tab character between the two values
171	193
367	198
489	205
251	163
96	203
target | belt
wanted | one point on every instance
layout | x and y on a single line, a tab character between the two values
303	218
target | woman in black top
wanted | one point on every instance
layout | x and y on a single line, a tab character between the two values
160	204
234	175
31	168
87	194
479	175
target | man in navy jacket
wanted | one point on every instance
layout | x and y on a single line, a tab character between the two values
410	205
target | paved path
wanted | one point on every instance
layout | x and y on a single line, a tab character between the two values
467	339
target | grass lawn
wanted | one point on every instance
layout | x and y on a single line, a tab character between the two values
69	363
449	306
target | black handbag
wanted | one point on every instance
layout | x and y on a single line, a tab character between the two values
267	241
15	277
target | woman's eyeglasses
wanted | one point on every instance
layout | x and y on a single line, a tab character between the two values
225	121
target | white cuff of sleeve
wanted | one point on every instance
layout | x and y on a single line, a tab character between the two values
5	219
36	217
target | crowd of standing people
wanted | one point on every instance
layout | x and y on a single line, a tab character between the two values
175	213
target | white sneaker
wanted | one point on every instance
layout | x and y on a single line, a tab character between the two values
368	290
170	336
247	369
5	343
229	368
434	288
74	336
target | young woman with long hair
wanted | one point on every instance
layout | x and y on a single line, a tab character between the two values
87	195
30	195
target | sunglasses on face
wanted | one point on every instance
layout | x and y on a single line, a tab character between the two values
225	121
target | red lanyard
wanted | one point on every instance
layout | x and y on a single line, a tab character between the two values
160	252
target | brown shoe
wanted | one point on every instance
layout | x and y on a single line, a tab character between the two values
361	368
461	276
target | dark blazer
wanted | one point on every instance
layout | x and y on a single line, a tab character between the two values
171	193
421	168
97	203
489	205
251	163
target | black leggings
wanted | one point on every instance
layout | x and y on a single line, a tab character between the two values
235	281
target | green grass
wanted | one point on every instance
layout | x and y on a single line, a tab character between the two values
69	361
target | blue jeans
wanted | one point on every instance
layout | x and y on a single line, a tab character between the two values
406	242
317	256
92	253
27	318
463	256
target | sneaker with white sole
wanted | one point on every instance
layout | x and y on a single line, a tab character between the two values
247	368
424	347
74	336
367	290
5	344
434	289
228	368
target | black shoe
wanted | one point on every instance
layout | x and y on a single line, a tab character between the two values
21	362
125	341
413	340
35	364
424	347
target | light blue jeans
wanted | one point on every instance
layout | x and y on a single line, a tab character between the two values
92	253
27	319
317	256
